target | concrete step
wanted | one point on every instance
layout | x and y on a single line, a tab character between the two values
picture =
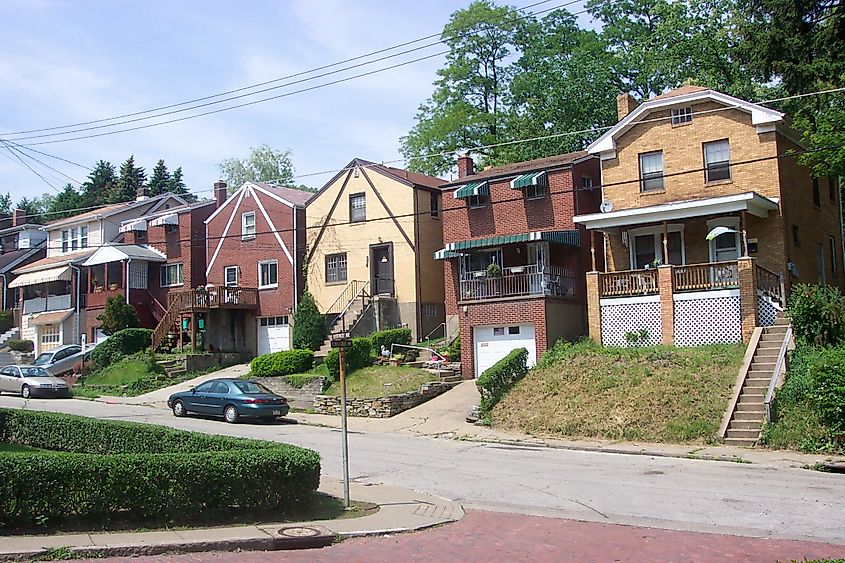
745	398
746	425
749	409
753	389
762	365
757	381
767	353
456	378
781	321
746	434
740	442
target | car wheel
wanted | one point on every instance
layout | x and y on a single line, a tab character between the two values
230	413
26	392
179	408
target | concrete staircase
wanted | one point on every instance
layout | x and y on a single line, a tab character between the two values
344	321
9	335
750	410
174	367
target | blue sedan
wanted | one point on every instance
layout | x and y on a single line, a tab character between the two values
232	399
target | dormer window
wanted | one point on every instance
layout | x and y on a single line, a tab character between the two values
681	116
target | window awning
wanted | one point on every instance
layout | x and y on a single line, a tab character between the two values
118	253
136	225
532	179
481	187
42	276
568	238
169	219
51	318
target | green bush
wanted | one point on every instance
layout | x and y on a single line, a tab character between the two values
309	325
392	336
7	320
499	378
282	363
120	345
359	355
25	346
151	472
453	350
817	314
117	315
828	390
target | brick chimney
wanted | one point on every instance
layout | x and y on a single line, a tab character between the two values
18	217
466	167
625	104
142	193
220	192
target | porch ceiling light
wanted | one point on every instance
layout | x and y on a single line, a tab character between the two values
718	231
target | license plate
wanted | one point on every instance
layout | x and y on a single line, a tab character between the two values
277	413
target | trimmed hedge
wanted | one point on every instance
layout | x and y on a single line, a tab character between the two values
282	363
138	470
500	377
7	320
387	337
359	355
25	346
119	345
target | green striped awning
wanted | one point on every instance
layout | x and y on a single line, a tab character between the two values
531	179
473	188
568	238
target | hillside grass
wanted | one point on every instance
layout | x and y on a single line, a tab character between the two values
654	394
381	381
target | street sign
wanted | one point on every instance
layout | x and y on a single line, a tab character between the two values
341	342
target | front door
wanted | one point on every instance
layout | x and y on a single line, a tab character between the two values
381	269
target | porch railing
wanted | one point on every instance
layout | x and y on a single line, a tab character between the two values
518	281
770	284
218	297
631	282
705	277
50	303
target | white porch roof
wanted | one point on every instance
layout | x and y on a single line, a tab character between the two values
752	202
117	253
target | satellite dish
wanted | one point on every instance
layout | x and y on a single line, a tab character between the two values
606	206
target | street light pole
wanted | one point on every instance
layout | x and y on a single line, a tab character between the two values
342	351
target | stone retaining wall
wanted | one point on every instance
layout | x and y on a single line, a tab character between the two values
201	362
301	398
381	407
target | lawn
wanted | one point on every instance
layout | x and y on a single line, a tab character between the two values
655	394
381	381
131	376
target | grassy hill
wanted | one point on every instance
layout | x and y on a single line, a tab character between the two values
656	394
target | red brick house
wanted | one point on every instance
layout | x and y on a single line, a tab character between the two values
515	262
255	240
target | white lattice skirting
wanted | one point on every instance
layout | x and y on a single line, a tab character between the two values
712	317
766	310
630	314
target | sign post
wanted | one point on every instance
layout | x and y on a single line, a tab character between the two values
342	342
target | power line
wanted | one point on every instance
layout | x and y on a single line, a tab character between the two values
22	161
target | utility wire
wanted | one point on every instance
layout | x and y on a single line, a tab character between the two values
22	161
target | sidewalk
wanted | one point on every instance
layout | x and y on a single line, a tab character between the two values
400	510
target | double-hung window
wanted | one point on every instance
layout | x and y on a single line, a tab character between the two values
231	274
74	239
248	225
435	205
358	207
336	268
817	198
717	161
65	241
651	171
172	275
268	273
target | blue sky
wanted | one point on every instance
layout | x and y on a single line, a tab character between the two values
65	62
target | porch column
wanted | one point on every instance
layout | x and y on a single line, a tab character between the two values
592	251
667	304
593	307
747	296
743	221
665	242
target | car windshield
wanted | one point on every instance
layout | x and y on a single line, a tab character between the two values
43	359
34	372
250	388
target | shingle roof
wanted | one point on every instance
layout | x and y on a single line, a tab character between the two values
9	258
688	89
293	195
55	260
521	167
415	177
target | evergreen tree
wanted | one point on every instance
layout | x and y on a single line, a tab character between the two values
161	180
131	179
98	186
117	315
33	209
6	204
177	186
64	204
309	325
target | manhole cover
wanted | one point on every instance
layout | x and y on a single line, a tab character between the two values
299	532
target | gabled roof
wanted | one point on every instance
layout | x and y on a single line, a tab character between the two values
557	161
412	179
763	118
112	209
291	197
118	252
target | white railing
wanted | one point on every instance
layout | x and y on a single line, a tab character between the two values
49	303
518	281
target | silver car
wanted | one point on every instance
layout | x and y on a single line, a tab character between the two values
62	360
32	381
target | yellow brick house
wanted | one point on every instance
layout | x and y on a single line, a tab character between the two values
372	232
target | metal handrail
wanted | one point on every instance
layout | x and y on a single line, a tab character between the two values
362	293
423	339
779	364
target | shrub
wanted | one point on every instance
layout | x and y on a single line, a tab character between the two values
817	314
117	315
828	389
359	355
282	363
7	320
499	378
25	346
387	337
453	350
120	345
309	325
141	470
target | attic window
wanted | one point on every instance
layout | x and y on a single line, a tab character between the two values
681	116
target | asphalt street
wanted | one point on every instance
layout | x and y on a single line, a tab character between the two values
669	493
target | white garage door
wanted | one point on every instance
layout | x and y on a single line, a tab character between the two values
273	335
492	343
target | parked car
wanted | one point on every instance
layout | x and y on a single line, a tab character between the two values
32	381
62	360
232	399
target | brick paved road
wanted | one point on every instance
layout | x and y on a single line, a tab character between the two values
490	536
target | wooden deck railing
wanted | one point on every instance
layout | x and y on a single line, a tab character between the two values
628	283
221	297
704	277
